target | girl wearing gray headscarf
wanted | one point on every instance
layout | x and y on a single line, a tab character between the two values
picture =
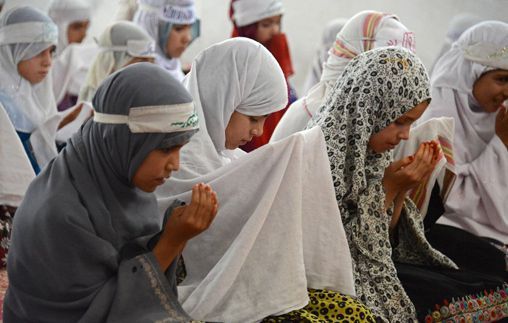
121	44
92	250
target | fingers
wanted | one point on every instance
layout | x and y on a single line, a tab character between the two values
401	163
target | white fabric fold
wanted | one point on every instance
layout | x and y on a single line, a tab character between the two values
277	233
16	173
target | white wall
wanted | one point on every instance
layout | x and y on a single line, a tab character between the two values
304	20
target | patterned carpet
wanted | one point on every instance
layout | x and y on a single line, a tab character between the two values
4	282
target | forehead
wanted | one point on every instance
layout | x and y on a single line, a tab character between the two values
273	19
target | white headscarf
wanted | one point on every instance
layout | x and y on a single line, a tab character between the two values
152	13
235	75
118	46
364	31
267	198
247	12
64	13
477	202
24	33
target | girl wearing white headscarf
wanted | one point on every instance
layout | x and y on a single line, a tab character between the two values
173	25
270	214
470	84
364	31
73	58
72	18
121	44
327	39
88	244
27	37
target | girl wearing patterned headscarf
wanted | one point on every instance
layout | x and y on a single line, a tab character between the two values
87	243
369	111
364	31
470	85
261	21
173	25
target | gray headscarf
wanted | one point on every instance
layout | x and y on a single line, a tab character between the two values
85	230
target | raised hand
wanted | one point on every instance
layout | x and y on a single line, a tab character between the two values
185	223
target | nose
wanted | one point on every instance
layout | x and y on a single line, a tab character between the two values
173	162
257	131
404	133
275	29
187	36
46	57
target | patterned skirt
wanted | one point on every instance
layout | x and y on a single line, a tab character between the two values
326	307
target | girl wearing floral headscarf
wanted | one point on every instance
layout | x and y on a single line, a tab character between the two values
369	111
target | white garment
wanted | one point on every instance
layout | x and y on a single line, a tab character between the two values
31	108
441	130
70	68
66	12
16	172
379	28
273	236
477	201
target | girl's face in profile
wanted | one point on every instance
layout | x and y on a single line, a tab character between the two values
35	69
396	131
491	90
242	128
178	40
267	28
156	168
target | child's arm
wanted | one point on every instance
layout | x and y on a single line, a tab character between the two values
185	223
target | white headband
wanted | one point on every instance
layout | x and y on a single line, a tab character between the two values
29	32
150	119
488	54
136	48
181	15
247	12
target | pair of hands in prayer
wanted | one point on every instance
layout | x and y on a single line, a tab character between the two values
405	174
185	223
502	125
